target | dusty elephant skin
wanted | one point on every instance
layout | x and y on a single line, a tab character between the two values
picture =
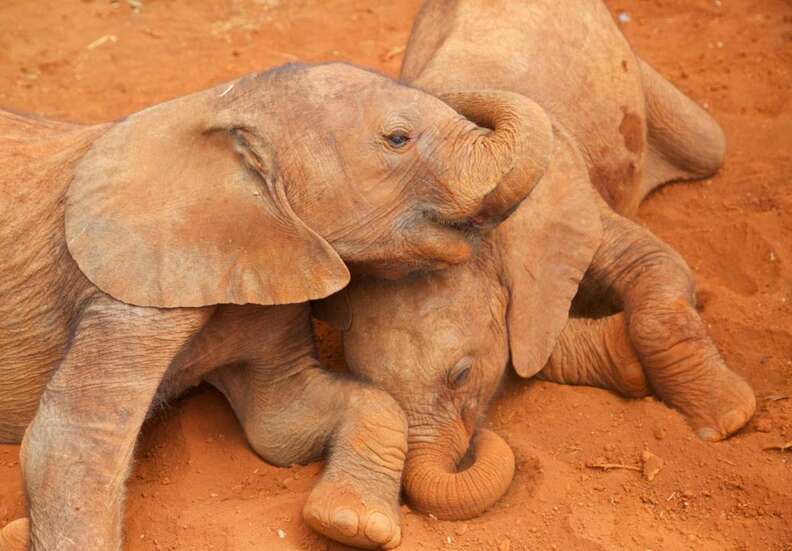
182	244
441	341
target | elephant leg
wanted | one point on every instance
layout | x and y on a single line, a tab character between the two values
293	411
76	453
657	293
684	140
298	418
597	352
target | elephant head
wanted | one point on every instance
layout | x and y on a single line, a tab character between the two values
440	342
265	189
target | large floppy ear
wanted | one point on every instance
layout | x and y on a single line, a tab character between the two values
179	205
547	246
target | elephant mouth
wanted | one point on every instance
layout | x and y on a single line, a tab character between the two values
435	243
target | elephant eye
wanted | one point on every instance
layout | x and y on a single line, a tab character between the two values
397	140
458	374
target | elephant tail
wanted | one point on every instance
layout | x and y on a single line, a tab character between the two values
684	141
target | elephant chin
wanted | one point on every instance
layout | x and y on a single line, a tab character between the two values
435	484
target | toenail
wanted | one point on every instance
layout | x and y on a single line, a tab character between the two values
379	528
346	521
316	514
394	541
709	434
733	420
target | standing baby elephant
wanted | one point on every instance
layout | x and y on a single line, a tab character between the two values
183	243
439	342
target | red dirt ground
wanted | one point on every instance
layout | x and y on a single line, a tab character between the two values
196	484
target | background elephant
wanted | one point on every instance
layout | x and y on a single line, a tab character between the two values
441	341
184	242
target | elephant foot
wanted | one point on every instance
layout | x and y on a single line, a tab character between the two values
716	403
353	516
687	372
15	536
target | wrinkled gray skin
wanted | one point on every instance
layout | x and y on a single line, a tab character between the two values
439	343
183	244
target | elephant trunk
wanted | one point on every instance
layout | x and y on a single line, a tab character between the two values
435	484
505	157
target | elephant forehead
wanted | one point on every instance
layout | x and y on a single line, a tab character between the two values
464	324
336	77
351	99
436	313
334	87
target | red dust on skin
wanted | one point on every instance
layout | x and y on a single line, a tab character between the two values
632	129
196	484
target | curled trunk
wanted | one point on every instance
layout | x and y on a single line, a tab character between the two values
507	157
434	484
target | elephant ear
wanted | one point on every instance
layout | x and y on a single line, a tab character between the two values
547	246
179	205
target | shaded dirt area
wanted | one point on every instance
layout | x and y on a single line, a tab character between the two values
196	484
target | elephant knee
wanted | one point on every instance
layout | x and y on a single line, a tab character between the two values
664	334
643	266
669	273
340	416
285	444
678	271
377	409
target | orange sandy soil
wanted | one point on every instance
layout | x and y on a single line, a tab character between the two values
197	485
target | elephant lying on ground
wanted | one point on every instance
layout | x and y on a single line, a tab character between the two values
439	342
184	242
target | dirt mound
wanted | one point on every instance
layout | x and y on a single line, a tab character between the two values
197	485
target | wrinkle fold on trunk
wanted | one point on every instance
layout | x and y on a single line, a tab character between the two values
508	155
434	484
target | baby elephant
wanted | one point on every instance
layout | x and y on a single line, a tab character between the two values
184	242
439	343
